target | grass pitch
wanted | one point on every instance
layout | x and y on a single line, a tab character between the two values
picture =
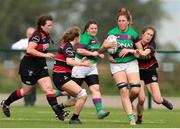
43	117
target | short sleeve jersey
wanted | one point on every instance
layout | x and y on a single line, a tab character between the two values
149	61
125	40
65	51
42	39
90	43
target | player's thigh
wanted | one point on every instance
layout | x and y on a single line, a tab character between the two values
71	87
133	77
155	91
25	90
120	77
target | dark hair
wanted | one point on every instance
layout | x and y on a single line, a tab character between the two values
70	34
88	24
41	21
125	10
150	28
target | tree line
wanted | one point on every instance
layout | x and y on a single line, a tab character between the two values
17	15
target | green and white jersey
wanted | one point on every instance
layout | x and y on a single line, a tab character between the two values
90	43
125	40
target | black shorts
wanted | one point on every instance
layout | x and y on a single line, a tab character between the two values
90	80
149	76
60	79
33	69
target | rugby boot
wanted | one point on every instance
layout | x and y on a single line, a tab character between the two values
5	109
60	114
167	104
102	114
75	121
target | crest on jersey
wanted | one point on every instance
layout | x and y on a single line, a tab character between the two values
154	78
30	72
45	46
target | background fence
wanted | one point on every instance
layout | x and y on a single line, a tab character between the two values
169	72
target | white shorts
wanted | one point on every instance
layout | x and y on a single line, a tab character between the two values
129	67
82	72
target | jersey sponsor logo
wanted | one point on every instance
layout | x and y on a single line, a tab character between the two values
69	51
36	39
94	41
122	45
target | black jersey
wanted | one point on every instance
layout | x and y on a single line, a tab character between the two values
33	67
60	65
42	39
150	60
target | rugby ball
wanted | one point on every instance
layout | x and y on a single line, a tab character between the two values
112	39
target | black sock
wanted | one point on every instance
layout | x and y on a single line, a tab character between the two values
16	95
74	116
52	100
139	117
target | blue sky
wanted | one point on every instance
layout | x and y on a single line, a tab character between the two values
170	28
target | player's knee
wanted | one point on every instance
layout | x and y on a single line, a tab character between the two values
48	90
24	92
95	89
135	91
141	100
82	93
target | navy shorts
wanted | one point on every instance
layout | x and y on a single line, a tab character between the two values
90	80
33	69
149	76
60	79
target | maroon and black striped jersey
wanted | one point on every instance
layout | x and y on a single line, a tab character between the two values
42	39
150	60
60	65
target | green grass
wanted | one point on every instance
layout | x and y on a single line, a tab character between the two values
43	117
